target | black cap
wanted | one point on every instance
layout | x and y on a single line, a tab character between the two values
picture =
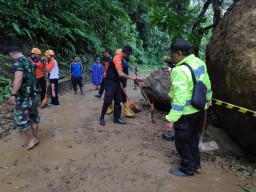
13	48
127	49
106	50
180	45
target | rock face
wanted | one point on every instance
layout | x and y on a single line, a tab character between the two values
155	92
231	60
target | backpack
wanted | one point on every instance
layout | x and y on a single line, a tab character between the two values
199	91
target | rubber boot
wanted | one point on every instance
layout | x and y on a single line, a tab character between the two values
127	111
82	91
103	112
110	109
117	114
75	90
97	95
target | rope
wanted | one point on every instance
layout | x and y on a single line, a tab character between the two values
220	103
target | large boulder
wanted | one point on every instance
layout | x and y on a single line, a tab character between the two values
231	60
157	93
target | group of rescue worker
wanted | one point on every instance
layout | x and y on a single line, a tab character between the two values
28	76
183	117
51	65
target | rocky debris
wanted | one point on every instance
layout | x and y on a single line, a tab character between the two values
6	119
241	166
231	61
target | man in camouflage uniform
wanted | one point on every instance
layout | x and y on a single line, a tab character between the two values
24	96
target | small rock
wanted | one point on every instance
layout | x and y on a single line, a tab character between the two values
254	173
246	174
8	116
15	163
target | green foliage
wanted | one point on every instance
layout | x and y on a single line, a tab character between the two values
17	28
86	27
5	88
78	26
249	190
177	23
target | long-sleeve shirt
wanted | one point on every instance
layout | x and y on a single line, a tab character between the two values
52	68
182	87
38	66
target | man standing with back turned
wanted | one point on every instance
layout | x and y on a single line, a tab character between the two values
24	96
186	119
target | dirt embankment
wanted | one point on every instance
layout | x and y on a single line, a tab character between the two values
77	154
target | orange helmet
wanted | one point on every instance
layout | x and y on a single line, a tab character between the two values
49	53
36	51
118	51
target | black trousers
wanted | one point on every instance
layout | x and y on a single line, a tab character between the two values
40	82
124	99
102	87
187	139
112	92
54	83
76	81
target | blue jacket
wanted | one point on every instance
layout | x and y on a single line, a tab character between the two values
76	70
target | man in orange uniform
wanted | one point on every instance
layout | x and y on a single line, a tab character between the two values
112	85
53	70
35	59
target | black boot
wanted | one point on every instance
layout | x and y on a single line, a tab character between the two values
82	91
102	121
117	114
103	112
98	95
75	90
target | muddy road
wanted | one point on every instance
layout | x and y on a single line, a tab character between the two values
76	154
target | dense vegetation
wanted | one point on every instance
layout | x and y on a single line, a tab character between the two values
86	27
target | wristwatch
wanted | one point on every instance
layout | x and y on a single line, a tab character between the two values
13	94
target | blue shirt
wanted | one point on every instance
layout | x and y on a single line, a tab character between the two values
76	69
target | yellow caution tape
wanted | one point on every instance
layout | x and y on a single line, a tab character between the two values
221	103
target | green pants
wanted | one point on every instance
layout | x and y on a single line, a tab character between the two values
26	113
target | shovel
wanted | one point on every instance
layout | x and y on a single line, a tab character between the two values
133	106
152	107
44	102
207	146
